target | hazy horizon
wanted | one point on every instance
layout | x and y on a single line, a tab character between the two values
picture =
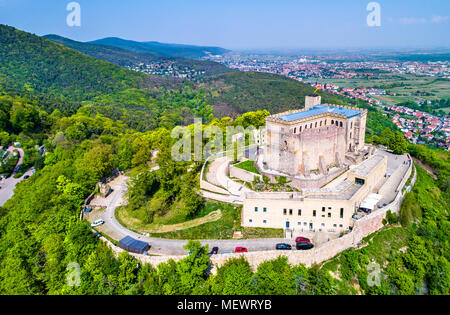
243	26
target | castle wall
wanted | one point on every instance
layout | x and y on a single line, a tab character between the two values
320	144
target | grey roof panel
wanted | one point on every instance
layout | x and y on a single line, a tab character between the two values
320	109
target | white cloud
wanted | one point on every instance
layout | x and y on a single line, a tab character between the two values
438	19
412	20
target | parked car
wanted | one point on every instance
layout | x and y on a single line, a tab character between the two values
226	252
301	239
304	246
214	251
241	250
98	235
283	246
26	177
97	223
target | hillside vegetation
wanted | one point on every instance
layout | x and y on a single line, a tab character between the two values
239	92
161	49
124	57
34	64
118	126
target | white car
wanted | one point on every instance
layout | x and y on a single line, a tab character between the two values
97	223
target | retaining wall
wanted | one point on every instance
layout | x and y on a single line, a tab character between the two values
362	228
243	174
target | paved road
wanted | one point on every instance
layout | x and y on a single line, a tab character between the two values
175	247
8	185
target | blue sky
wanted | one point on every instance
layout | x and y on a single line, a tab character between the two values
243	24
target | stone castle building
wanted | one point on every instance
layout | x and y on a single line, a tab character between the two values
315	138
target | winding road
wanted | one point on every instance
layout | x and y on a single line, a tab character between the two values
175	247
8	185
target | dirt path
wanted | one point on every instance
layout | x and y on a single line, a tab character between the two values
425	167
160	228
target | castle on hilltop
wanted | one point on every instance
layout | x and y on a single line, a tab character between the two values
315	138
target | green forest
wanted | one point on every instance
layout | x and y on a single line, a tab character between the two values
92	117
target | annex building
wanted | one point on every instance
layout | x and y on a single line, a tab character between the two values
327	209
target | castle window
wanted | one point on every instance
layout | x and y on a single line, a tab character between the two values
256	209
320	123
284	211
325	122
265	209
337	123
310	126
314	213
342	213
323	209
329	214
332	122
250	220
295	130
290	211
316	125
341	124
351	125
265	221
300	129
299	212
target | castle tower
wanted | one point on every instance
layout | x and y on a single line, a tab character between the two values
311	101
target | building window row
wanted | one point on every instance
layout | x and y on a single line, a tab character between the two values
314	213
319	124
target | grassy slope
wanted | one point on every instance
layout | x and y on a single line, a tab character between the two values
34	64
240	92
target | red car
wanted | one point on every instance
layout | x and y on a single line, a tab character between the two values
240	250
302	240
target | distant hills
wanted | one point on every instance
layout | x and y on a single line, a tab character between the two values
42	66
238	92
37	65
125	57
161	49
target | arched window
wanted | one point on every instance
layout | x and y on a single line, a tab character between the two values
306	127
337	123
341	124
332	122
295	130
351	125
325	122
300	129
310	126
316	125
320	123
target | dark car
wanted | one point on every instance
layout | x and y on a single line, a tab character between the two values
26	177
283	246
304	246
241	250
301	239
214	251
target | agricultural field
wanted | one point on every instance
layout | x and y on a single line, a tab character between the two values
406	87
